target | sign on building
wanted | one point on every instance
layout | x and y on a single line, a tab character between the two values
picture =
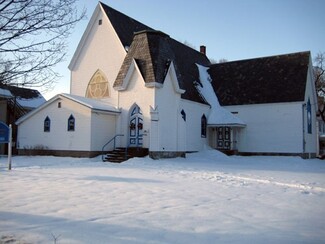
4	133
5	137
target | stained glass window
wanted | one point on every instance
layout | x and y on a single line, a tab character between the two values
47	124
71	123
98	86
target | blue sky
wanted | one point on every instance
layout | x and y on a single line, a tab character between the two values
230	29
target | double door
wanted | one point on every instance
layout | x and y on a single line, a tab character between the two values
224	138
136	128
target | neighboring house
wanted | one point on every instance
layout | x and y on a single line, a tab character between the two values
128	79
14	103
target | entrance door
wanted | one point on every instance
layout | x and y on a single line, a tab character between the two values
223	138
135	127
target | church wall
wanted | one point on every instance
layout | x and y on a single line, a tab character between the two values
168	104
311	138
178	131
101	50
194	112
270	128
103	127
136	93
31	133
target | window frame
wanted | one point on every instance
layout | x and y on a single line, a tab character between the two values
203	126
71	123
47	124
183	114
309	118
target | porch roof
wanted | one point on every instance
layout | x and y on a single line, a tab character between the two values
219	116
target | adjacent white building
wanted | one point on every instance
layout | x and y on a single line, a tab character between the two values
138	87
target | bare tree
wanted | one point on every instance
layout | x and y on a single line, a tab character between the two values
33	39
319	73
223	60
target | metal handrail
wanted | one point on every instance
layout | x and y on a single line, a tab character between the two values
113	139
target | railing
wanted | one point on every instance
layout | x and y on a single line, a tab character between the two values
111	140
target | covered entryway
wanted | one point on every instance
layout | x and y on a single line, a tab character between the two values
136	127
225	138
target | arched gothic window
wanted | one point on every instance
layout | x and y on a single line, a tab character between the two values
71	123
183	115
309	118
47	124
97	86
203	126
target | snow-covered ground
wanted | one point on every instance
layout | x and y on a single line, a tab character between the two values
205	198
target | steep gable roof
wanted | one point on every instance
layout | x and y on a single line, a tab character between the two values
124	25
262	80
92	104
153	51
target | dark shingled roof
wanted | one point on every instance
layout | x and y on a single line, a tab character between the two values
153	52
262	80
150	52
19	92
124	26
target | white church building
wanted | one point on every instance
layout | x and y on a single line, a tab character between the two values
136	87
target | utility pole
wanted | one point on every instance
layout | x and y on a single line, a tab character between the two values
9	147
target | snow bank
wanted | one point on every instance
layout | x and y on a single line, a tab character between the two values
218	115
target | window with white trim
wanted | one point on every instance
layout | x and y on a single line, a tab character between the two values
71	123
47	124
203	126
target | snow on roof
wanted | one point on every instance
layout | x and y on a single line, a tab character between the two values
5	93
27	98
88	102
92	103
32	102
218	115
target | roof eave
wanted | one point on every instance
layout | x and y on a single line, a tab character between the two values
172	72
227	124
84	37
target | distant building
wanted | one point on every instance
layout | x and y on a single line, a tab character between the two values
140	88
14	103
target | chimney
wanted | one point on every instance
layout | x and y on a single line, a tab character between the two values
203	49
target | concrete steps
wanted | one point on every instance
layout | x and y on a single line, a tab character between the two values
120	154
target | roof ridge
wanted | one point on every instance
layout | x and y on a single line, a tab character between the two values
124	25
157	32
273	79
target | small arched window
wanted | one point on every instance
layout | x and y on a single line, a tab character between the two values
203	126
47	124
71	123
183	115
309	118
